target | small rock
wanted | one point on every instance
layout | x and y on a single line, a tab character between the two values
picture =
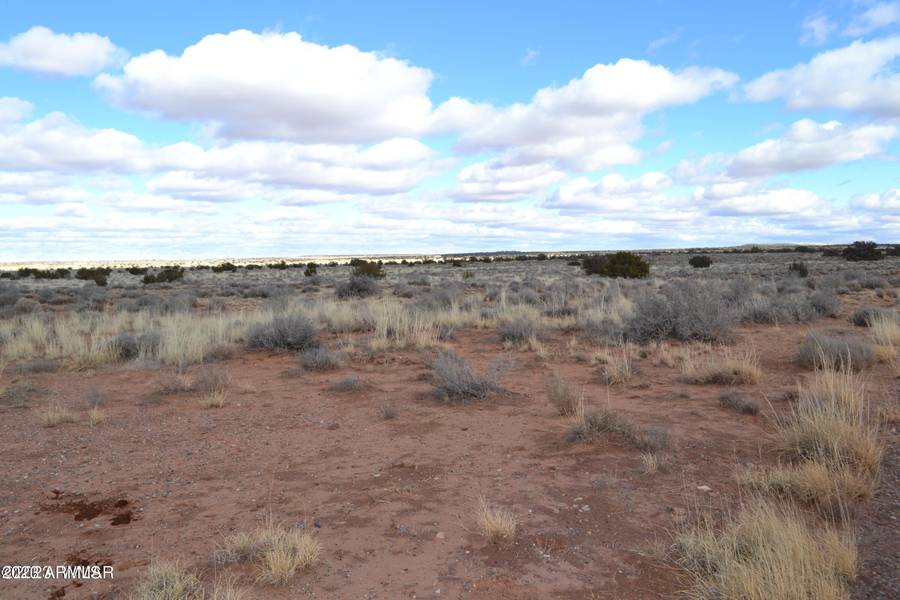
440	535
704	488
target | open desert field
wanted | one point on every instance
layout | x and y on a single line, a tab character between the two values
506	430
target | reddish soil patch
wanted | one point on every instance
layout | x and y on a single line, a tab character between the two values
392	502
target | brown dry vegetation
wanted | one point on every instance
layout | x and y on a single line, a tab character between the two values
524	431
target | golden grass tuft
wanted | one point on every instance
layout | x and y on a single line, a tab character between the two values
278	551
832	423
57	414
96	415
766	552
498	525
214	399
833	490
722	368
617	368
166	580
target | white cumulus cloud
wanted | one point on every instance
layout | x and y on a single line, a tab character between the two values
40	49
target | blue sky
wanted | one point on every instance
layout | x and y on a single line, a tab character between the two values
177	130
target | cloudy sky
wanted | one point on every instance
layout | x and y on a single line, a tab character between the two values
265	128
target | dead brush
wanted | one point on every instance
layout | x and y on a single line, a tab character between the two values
604	422
562	397
498	525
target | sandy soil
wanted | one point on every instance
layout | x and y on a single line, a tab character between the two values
392	502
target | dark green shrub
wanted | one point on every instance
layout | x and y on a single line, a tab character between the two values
798	269
701	261
618	264
858	251
365	268
137	270
225	266
97	275
311	269
166	275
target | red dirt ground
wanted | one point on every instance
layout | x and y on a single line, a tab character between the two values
392	502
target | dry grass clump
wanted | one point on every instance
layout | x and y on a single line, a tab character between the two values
519	330
57	414
279	552
214	399
735	401
653	463
348	385
166	580
562	397
832	490
96	415
886	329
617	368
226	589
388	411
768	552
832	423
456	380
819	351
604	422
498	525
319	359
176	381
722	368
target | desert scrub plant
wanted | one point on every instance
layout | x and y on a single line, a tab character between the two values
388	411
767	551
498	525
562	397
862	251
831	423
358	286
618	264
653	463
166	580
348	385
700	261
734	401
456	381
211	379
820	350
284	332
56	414
279	552
864	316
366	268
605	422
519	330
319	359
722	368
